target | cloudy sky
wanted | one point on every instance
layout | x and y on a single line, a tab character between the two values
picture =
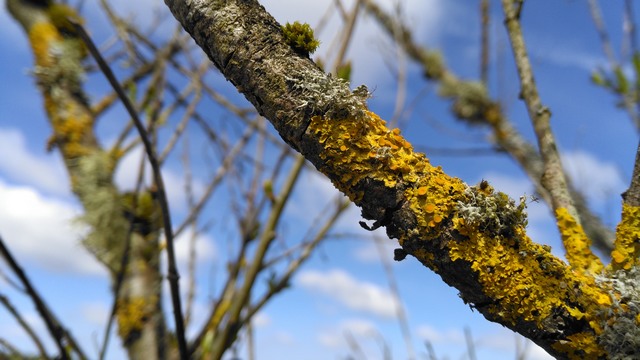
343	293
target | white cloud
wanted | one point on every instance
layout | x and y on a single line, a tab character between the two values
354	294
535	352
368	252
598	180
43	172
96	313
439	336
335	339
284	338
42	230
261	319
564	55
204	247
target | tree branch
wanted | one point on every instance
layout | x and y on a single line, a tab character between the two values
473	237
474	106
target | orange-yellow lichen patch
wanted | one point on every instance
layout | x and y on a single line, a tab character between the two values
577	244
42	36
526	281
433	198
73	126
627	244
517	273
355	149
131	316
580	346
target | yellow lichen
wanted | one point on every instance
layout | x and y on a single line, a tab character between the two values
522	281
577	244
433	198
580	346
627	244
365	148
59	71
131	316
41	36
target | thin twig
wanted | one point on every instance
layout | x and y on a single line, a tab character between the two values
553	178
27	328
172	271
614	64
347	35
57	331
255	266
471	348
484	41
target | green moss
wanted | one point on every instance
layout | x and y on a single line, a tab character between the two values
300	37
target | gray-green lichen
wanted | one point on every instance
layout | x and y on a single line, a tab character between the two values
620	335
492	212
103	210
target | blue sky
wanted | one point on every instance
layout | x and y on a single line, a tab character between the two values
343	289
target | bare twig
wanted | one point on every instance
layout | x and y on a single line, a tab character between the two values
348	34
255	266
276	286
614	64
484	41
172	271
27	328
471	348
553	178
553	175
57	331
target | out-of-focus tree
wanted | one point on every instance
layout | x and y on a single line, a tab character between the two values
187	122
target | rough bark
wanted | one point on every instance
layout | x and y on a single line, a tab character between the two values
473	237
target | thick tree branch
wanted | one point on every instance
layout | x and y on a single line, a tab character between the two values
472	236
473	105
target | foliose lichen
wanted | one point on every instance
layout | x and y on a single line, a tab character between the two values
491	212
